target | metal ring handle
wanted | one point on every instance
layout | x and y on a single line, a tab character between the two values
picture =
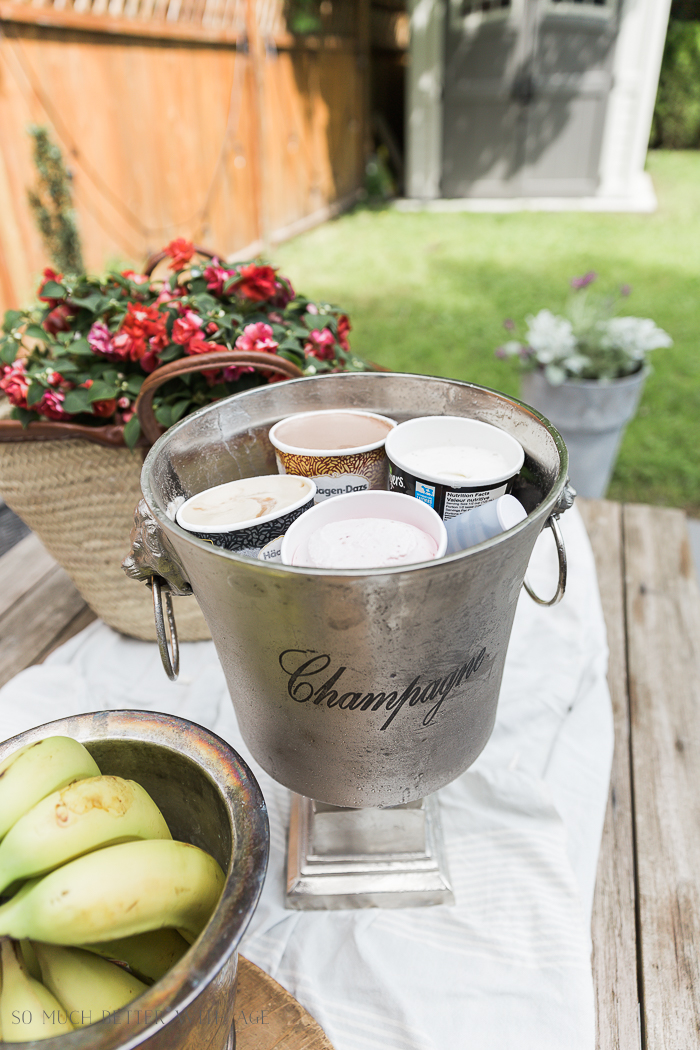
169	656
561	555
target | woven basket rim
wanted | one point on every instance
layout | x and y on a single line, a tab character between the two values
111	434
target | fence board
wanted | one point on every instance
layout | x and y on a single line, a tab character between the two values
163	135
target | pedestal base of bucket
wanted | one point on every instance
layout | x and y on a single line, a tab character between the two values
366	858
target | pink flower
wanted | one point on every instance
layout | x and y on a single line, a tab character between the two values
51	405
13	380
100	340
321	345
509	324
625	290
234	372
216	277
257	337
582	282
185	327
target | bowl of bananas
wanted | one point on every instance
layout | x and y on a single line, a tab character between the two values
133	851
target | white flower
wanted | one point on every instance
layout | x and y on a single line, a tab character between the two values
551	337
634	336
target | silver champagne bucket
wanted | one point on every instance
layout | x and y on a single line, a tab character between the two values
362	688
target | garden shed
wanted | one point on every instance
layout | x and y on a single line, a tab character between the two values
543	100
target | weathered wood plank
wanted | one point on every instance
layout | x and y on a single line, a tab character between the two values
268	1018
21	569
613	923
31	626
663	625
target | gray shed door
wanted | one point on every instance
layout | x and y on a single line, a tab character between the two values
525	91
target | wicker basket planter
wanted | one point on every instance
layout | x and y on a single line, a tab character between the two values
76	487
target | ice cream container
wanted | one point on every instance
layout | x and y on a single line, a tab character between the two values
245	515
483	523
452	463
363	507
341	449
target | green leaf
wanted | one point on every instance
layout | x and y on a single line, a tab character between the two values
132	431
295	356
12	319
24	416
35	331
102	391
53	290
164	415
35	393
8	351
134	384
171	353
82	348
77	401
179	409
94	302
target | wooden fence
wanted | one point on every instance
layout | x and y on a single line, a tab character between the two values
205	119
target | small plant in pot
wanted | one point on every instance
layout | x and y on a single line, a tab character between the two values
585	370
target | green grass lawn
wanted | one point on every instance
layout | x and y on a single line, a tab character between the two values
429	292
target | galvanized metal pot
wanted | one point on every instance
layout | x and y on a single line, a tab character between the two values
592	417
355	688
210	798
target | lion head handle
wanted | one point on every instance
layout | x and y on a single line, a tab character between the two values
151	554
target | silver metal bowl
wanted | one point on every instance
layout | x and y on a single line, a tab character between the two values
209	798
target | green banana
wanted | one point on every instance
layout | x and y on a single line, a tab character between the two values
116	892
149	955
31	963
27	1009
84	816
34	771
89	988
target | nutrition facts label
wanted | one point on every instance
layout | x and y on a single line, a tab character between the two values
457	502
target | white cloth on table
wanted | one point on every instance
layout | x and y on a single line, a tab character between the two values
506	968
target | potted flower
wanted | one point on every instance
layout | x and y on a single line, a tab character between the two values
72	368
585	372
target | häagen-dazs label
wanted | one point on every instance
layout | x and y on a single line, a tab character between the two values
328	485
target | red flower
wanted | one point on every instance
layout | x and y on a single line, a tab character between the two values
13	380
344	327
257	337
180	251
256	282
137	278
143	330
216	277
149	362
59	319
190	324
285	293
197	345
104	408
50	275
321	344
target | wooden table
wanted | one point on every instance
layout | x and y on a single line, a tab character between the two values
646	921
